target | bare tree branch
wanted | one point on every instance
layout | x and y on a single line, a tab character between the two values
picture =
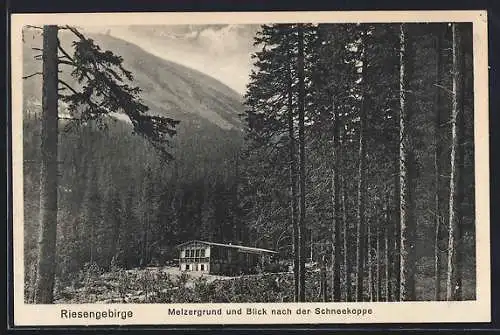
75	31
68	118
68	86
64	52
34	27
32	75
61	61
444	88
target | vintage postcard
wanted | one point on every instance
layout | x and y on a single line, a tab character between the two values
250	168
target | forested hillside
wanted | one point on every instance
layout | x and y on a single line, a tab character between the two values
118	203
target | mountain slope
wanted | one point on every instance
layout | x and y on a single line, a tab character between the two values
206	108
177	90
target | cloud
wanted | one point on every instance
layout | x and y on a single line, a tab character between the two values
221	51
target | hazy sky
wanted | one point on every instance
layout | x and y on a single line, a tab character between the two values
221	51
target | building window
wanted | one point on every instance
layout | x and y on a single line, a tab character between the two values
194	255
202	267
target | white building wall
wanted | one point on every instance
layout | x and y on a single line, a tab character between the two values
194	266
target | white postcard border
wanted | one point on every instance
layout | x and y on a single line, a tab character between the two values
156	314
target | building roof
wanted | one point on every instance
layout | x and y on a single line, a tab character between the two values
239	247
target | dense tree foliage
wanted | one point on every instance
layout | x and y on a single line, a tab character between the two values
373	98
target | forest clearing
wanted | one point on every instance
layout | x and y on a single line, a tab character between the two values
168	284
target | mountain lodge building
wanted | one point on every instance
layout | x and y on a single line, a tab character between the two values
223	259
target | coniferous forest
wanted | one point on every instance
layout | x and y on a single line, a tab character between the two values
351	154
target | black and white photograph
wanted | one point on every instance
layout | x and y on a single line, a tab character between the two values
251	163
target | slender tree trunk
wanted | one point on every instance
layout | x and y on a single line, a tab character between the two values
386	255
92	241
369	259
347	270
143	244
116	232
396	245
114	243
324	287
236	201
311	248
48	172
293	184
336	240
360	224
377	272
407	261
302	161
454	280
460	255
437	170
